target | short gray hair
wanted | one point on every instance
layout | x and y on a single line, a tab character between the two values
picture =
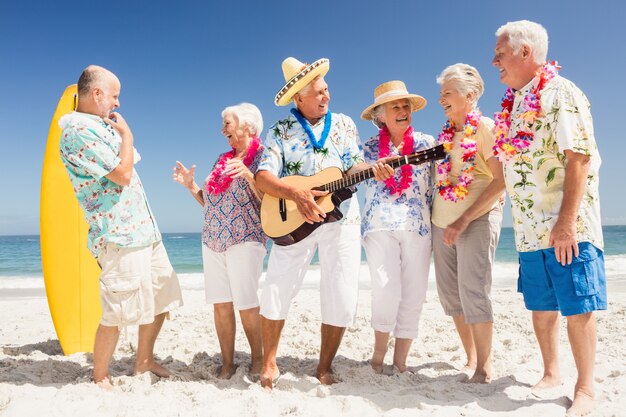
248	115
468	80
93	76
525	32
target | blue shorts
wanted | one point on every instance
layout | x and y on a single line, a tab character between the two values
577	288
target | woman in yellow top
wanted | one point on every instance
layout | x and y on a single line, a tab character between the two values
467	215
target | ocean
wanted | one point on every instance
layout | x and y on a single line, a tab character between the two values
20	258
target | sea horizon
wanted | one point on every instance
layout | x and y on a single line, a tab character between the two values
20	259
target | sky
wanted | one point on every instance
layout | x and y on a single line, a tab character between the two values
181	63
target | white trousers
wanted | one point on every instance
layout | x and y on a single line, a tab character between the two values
399	263
339	253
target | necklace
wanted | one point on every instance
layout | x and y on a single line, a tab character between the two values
445	187
506	147
217	182
307	128
406	172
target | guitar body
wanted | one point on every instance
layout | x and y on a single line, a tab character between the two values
281	219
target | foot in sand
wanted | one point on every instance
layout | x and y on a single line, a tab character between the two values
582	405
400	368
255	368
480	377
151	366
269	376
226	371
377	361
326	378
548	387
105	384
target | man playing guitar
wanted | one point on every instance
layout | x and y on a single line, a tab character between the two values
306	142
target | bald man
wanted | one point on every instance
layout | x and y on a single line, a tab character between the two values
138	285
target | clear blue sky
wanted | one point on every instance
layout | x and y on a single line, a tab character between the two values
181	63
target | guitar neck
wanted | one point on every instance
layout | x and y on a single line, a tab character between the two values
366	174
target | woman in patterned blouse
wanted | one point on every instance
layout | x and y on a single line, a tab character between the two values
396	223
233	244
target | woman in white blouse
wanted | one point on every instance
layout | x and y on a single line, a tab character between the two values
396	223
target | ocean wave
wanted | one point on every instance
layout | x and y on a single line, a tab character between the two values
21	282
502	271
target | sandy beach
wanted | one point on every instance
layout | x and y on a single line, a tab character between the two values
37	379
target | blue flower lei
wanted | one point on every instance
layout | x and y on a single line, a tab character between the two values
307	128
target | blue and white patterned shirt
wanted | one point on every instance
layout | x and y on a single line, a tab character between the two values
115	214
288	151
408	211
232	217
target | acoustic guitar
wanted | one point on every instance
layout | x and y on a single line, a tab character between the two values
280	218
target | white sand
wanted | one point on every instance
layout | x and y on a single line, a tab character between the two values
37	380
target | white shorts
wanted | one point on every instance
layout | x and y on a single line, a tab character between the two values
136	284
339	253
399	263
233	275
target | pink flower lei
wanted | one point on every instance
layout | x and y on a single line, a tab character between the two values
406	172
506	147
217	182
445	187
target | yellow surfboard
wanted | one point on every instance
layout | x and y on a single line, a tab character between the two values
70	272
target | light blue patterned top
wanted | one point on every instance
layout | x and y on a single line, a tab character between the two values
288	151
116	214
409	211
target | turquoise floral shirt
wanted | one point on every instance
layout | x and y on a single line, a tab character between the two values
288	151
535	177
115	214
409	211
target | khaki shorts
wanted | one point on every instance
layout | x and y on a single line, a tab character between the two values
136	284
463	270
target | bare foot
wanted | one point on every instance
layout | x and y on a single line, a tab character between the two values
269	375
377	366
400	368
255	367
583	405
226	371
326	378
105	384
480	377
377	361
151	366
547	387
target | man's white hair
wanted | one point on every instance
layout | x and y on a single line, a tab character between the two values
525	32
248	115
305	90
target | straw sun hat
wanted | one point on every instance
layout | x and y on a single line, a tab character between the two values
391	91
297	76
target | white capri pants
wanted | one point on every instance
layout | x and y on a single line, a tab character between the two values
399	263
233	275
339	252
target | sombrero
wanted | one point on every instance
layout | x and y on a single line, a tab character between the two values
297	75
390	91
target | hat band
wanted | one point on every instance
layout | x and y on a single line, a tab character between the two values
391	93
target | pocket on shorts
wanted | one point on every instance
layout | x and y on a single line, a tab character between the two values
584	271
532	271
123	294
